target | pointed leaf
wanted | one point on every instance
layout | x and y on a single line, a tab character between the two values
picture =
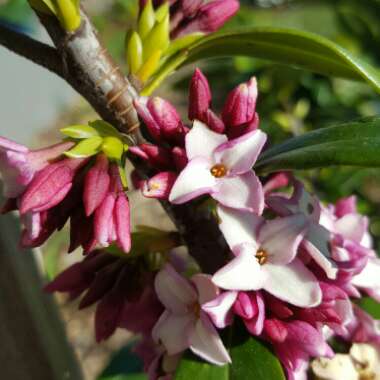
104	129
134	51
355	143
86	148
302	49
147	19
113	147
79	131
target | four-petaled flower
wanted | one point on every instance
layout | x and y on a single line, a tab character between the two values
184	324
221	168
265	257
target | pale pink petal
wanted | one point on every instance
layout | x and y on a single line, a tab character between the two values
324	262
173	332
238	226
339	367
206	289
206	343
195	180
174	291
122	222
369	277
6	145
220	309
202	141
244	192
352	226
292	283
242	273
239	155
281	237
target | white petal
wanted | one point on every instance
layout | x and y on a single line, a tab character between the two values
174	291
369	277
195	180
238	226
205	342
352	226
243	192
242	273
368	355
220	309
292	283
281	237
201	141
239	155
173	331
207	290
325	263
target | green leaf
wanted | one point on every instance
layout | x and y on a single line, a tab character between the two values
371	306
113	147
355	143
79	131
104	129
86	148
147	19
251	359
134	51
157	39
298	48
124	365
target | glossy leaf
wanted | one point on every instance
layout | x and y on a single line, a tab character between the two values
147	19
104	129
298	48
113	147
79	131
371	306
251	359
86	148
355	143
134	51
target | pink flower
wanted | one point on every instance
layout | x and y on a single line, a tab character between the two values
265	257
221	168
184	324
317	239
18	164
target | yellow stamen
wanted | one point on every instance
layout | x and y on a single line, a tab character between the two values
218	170
262	256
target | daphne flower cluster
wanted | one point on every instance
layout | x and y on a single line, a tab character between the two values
50	186
295	267
295	264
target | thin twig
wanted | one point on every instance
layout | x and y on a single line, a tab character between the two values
31	49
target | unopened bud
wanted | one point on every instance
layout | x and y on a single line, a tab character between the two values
199	96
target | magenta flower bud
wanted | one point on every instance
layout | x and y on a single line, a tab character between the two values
345	206
190	7
214	122
50	186
137	180
147	118
96	184
209	18
159	186
180	158
156	156
199	96
245	305
276	181
276	330
167	119
240	105
18	164
112	217
277	307
123	222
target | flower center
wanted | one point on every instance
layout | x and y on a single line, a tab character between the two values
196	309
262	256
218	170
